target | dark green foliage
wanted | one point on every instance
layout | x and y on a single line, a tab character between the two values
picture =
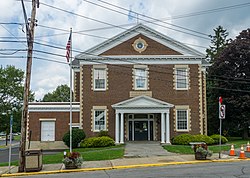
103	133
77	136
218	42
183	139
11	97
61	94
203	138
229	74
94	142
216	138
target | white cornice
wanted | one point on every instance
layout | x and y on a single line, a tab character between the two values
146	61
46	107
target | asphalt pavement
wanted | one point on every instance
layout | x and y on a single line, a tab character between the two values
144	158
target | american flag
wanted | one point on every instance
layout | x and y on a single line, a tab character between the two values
68	46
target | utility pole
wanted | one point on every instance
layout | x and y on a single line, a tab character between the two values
30	39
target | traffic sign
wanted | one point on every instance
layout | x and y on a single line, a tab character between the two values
222	112
220	100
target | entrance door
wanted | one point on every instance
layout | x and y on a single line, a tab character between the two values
141	130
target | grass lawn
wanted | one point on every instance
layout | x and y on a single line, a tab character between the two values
186	149
88	154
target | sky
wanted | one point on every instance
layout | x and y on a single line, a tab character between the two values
94	21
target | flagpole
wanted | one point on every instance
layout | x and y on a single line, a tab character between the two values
70	114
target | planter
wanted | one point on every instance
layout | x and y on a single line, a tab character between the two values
70	166
200	156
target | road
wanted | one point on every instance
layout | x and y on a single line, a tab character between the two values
4	154
207	170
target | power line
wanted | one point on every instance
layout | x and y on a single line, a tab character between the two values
108	58
13	52
152	22
95	36
106	23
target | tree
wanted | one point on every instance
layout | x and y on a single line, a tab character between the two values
219	42
61	94
230	74
11	96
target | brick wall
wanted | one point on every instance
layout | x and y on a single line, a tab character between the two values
61	124
120	84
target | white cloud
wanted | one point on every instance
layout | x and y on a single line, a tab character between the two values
46	76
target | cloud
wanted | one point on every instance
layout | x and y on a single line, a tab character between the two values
46	76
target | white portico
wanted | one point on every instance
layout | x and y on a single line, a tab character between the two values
140	121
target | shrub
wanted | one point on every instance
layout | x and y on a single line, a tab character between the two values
183	139
77	136
103	133
203	138
216	138
94	142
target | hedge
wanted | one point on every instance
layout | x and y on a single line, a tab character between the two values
94	142
216	138
185	139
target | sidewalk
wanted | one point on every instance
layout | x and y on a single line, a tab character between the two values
123	163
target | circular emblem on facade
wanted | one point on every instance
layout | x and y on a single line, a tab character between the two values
140	45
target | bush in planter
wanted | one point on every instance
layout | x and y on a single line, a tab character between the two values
94	142
72	160
77	136
183	139
202	153
216	138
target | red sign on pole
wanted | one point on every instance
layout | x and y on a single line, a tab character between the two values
220	100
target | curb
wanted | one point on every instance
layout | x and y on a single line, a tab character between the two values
121	167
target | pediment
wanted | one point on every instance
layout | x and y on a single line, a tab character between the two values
157	44
142	102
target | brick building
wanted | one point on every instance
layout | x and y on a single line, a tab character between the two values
138	85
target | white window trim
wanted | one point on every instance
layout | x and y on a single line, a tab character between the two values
105	119
48	120
176	77
176	126
140	67
105	83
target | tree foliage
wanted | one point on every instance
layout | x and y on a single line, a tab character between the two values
11	96
218	42
61	94
230	74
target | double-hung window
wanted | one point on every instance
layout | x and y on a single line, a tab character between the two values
182	120
99	120
141	79
182	78
100	79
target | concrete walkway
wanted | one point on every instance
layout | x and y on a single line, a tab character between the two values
140	149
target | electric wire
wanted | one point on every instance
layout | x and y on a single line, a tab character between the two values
106	23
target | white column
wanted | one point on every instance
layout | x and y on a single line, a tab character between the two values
148	130
133	130
162	128
117	128
167	128
122	128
